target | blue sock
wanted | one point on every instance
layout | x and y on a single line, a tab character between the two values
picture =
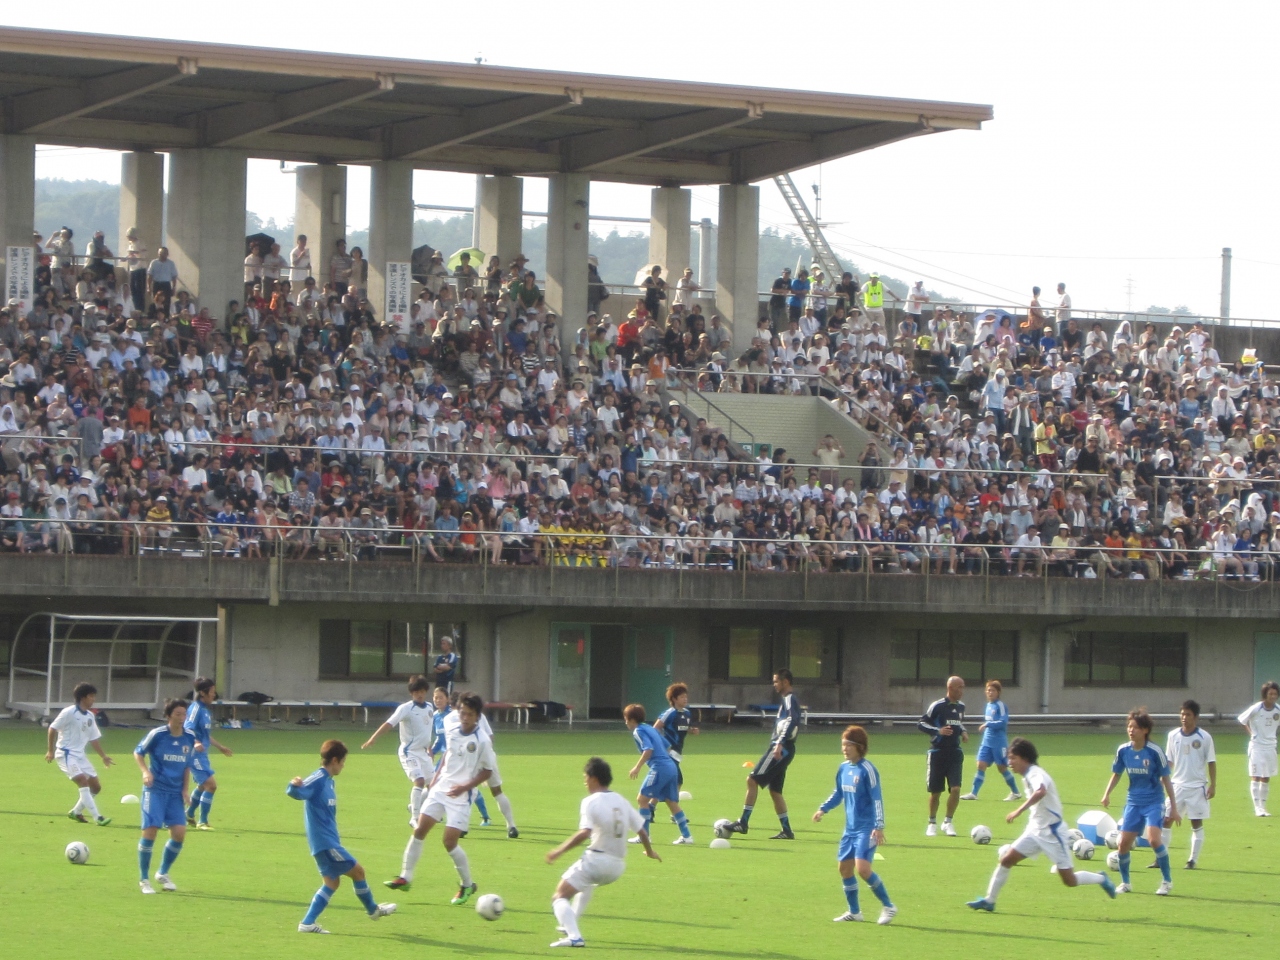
171	851
851	893
484	811
1013	784
144	856
1124	868
746	815
1162	858
877	887
785	821
646	814
362	891
196	794
206	801
318	903
978	778
683	823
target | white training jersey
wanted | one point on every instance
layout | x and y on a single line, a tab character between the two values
1262	723
1190	754
416	722
453	720
76	729
1048	812
611	819
465	755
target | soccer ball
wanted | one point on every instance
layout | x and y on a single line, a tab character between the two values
722	830
1083	850
1074	836
980	834
1113	859
686	795
78	852
720	843
490	906
1112	840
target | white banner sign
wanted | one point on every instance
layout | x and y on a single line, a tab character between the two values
20	280
399	280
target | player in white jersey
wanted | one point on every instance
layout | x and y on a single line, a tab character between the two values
1195	777
74	729
468	762
1046	831
415	717
494	783
1262	720
606	818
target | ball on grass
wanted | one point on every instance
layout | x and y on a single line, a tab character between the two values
721	828
980	834
490	906
77	852
129	798
686	795
1083	850
1113	859
719	843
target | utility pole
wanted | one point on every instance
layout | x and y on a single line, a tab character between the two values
1224	301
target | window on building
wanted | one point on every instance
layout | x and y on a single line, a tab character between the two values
457	634
931	656
372	649
813	653
752	653
1127	660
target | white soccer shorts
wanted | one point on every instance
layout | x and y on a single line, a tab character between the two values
75	765
1193	804
1262	761
451	811
1053	845
495	778
594	870
417	765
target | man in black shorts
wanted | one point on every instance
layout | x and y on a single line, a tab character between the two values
771	770
943	720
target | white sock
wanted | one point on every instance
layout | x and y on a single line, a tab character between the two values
997	881
415	800
1166	835
464	866
86	802
1086	877
581	899
1264	791
568	919
79	805
1197	841
1253	792
504	804
412	854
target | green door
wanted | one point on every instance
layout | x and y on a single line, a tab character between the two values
1266	660
649	650
571	665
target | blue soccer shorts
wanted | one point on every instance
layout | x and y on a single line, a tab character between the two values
856	846
1139	816
161	809
335	862
997	754
662	783
201	769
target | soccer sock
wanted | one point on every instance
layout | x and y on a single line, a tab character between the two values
1264	791
206	802
318	903
978	779
415	801
1086	877
171	851
851	894
785	821
464	866
581	899
746	815
563	910
144	856
1013	784
87	802
646	814
1162	858
412	854
504	804
1253	792
877	887
997	881
1124	868
683	823
1197	841
196	794
1166	836
80	806
365	897
484	811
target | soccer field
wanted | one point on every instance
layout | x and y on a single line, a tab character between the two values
244	887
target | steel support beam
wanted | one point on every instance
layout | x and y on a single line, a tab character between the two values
40	109
418	138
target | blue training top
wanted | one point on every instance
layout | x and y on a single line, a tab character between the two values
647	738
675	727
1145	768
199	723
997	732
320	810
170	757
858	787
437	725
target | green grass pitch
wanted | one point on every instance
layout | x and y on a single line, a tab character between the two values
244	887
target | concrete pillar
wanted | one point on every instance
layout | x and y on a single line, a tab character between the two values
737	261
390	225
568	205
669	244
141	199
501	215
320	213
205	233
17	197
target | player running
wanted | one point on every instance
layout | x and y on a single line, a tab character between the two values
165	756
995	744
771	769
494	783
1045	833
1148	771
468	762
416	719
858	788
675	723
943	720
74	729
662	781
199	724
1195	777
1261	720
606	818
320	810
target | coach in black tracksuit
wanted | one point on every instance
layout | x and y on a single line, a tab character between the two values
943	720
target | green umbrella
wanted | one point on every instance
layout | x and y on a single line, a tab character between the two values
477	259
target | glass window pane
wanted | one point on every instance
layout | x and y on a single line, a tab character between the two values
966	655
935	655
1000	657
368	648
804	653
408	648
1170	660
1108	659
903	650
745	645
1137	660
571	648
1078	659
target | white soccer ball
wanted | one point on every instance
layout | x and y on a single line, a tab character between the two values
980	834
686	795
722	830
1073	836
720	843
129	798
1113	859
1083	850
490	906
78	852
1112	840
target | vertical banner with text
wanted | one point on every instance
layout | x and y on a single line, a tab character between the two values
20	277
399	280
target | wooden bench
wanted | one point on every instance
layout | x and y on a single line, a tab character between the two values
318	705
713	709
519	710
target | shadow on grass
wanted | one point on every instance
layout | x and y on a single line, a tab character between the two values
1023	935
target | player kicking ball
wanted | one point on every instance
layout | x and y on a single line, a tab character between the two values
1195	777
164	756
1045	833
416	720
71	731
1148	771
995	744
606	818
200	725
858	788
663	781
771	770
468	762
1262	720
320	810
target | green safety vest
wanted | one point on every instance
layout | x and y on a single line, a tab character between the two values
874	297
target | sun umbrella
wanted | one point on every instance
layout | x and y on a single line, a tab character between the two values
477	258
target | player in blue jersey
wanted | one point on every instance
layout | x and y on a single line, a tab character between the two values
1144	810
662	783
164	756
676	723
320	811
199	724
858	788
771	769
995	744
